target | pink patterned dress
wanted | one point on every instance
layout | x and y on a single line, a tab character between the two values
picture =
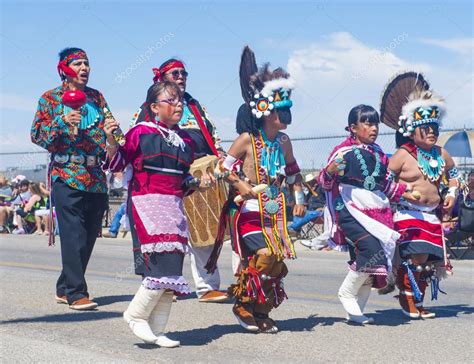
160	159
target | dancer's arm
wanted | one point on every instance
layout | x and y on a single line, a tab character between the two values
293	177
234	161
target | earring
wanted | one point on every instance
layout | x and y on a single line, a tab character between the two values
156	118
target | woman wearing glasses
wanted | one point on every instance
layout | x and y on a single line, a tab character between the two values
202	131
160	154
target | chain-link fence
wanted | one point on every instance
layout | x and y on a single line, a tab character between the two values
311	153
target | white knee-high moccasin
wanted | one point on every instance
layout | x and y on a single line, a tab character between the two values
138	313
159	318
364	293
348	295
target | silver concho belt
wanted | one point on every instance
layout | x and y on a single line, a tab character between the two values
88	160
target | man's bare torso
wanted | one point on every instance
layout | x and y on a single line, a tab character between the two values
410	173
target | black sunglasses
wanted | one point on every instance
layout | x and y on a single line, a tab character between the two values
177	73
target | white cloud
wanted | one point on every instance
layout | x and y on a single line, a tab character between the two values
464	46
338	72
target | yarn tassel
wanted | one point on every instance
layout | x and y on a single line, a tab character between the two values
414	285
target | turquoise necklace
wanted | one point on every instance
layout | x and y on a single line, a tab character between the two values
369	180
90	114
430	163
273	159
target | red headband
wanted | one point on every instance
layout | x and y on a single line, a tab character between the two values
64	69
159	72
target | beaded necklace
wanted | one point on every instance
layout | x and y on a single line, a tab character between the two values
273	159
431	163
369	180
90	114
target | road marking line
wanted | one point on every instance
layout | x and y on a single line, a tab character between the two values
296	294
325	297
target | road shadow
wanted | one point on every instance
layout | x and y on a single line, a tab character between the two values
307	323
395	317
390	317
108	300
204	336
452	310
68	317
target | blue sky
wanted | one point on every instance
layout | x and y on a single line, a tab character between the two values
340	53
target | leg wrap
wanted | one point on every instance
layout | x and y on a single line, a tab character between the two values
249	284
407	284
261	283
272	283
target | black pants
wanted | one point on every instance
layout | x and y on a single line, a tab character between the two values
79	216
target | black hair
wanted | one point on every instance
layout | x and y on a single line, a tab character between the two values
400	139
246	122
362	113
24	182
157	89
67	51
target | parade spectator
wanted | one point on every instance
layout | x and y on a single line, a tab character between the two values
25	213
5	211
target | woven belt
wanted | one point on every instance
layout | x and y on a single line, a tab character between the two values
88	160
401	207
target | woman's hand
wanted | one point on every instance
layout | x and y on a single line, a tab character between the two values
109	127
207	181
337	165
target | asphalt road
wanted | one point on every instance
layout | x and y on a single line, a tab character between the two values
33	328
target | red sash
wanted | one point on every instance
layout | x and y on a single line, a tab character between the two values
203	127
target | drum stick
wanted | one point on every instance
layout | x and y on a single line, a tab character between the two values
256	189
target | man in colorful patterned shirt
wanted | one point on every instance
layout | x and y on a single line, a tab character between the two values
76	141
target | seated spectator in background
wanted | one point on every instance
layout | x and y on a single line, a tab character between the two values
5	189
42	213
457	230
5	211
314	200
115	225
25	213
21	193
117	187
115	182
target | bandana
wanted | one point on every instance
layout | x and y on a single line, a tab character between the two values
159	72
63	68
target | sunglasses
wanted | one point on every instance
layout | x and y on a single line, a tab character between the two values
177	73
172	102
430	127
